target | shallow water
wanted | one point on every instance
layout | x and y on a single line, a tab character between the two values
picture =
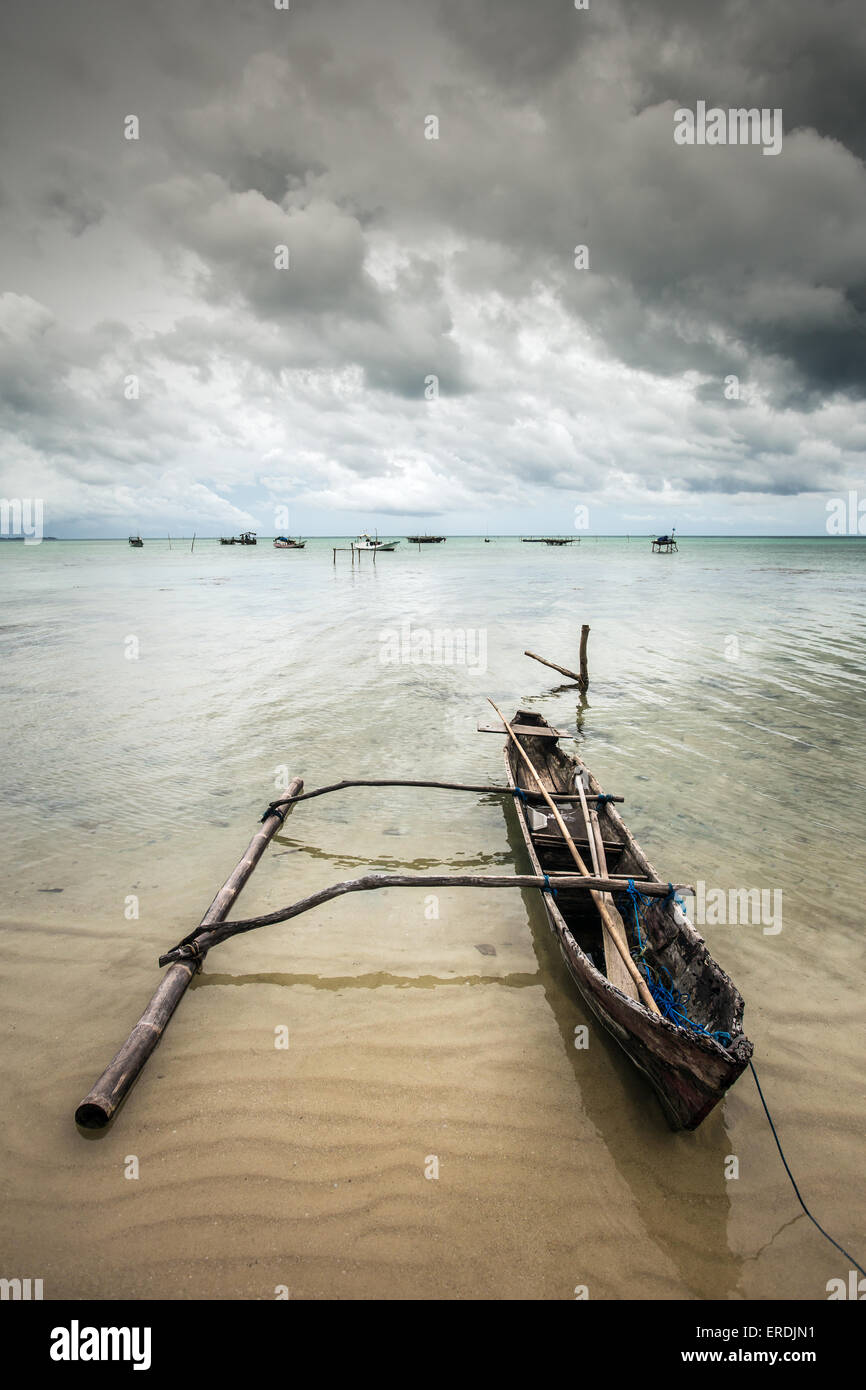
725	706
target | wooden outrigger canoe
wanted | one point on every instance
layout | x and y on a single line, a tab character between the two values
689	1070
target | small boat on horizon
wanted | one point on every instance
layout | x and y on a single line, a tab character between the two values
136	542
245	538
368	542
426	540
287	543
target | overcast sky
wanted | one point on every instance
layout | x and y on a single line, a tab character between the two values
410	258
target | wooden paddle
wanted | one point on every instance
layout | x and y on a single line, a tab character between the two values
606	919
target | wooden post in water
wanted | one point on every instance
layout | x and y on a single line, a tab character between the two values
583	681
104	1097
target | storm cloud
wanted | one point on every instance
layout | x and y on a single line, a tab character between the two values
430	344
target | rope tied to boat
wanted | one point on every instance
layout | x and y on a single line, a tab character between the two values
518	791
672	1003
548	887
813	1220
274	810
602	799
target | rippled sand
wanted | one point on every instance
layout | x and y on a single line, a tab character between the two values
305	1167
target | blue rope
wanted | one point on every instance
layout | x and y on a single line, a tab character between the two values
602	799
547	888
518	791
672	1003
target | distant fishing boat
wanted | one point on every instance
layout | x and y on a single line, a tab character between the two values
287	543
245	538
368	542
136	542
426	540
550	540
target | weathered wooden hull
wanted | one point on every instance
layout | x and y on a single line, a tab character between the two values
689	1072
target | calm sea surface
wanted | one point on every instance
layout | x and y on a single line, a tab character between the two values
152	700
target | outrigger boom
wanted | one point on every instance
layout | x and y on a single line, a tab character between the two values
185	959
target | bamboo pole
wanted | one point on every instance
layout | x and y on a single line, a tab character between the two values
104	1097
583	679
613	963
563	670
199	942
606	919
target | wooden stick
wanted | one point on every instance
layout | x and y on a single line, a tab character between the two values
613	963
412	782
563	670
584	668
607	921
201	941
116	1081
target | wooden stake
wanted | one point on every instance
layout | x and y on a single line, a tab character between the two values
606	919
583	678
117	1080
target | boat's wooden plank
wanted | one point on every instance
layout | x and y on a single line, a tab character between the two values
550	840
545	731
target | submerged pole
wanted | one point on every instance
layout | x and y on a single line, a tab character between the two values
104	1097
